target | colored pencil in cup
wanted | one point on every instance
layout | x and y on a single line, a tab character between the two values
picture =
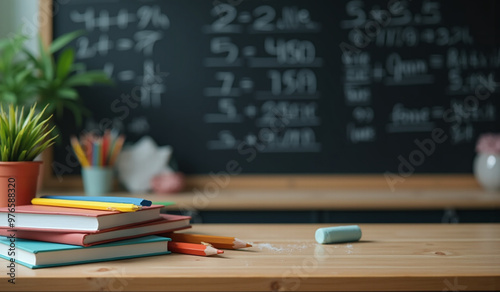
87	144
96	149
117	146
80	154
93	150
216	241
104	149
193	249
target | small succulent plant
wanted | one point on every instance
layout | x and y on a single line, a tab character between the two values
23	136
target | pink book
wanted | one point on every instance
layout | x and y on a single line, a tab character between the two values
63	219
166	223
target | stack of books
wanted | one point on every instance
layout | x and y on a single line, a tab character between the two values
44	235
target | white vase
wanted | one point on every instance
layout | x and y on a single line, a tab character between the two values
487	171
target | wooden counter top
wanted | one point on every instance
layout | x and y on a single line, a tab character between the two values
335	199
400	257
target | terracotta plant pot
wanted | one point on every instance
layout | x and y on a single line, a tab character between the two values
20	178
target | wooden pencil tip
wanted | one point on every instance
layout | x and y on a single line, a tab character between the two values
220	251
238	243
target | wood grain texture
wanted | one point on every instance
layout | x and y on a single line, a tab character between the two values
333	199
45	21
402	257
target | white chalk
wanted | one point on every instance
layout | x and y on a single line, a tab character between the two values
348	233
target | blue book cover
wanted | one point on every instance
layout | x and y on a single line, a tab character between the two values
39	254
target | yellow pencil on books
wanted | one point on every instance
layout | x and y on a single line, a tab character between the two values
122	207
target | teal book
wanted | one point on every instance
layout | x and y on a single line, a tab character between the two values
38	254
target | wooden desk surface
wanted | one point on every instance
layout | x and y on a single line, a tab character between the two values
399	257
334	199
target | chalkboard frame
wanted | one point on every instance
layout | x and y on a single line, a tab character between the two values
313	181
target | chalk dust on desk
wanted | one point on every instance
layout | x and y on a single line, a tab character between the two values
349	248
289	248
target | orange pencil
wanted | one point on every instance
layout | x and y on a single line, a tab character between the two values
117	146
193	249
240	244
215	241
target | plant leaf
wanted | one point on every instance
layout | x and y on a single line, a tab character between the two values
22	156
65	39
46	61
8	97
64	63
22	75
78	80
32	58
88	78
34	153
68	93
12	120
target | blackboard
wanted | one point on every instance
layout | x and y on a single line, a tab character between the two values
293	86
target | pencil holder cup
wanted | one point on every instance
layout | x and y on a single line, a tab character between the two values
97	181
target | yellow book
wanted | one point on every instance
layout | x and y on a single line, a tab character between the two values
86	205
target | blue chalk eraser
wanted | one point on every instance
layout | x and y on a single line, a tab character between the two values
338	234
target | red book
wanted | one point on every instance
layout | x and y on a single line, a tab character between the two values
166	223
63	219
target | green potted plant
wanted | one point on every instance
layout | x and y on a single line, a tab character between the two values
22	138
49	79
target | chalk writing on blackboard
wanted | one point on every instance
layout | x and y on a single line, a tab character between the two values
312	86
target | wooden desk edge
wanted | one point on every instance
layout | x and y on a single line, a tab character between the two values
334	199
291	282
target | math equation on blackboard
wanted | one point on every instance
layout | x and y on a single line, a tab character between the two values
318	83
